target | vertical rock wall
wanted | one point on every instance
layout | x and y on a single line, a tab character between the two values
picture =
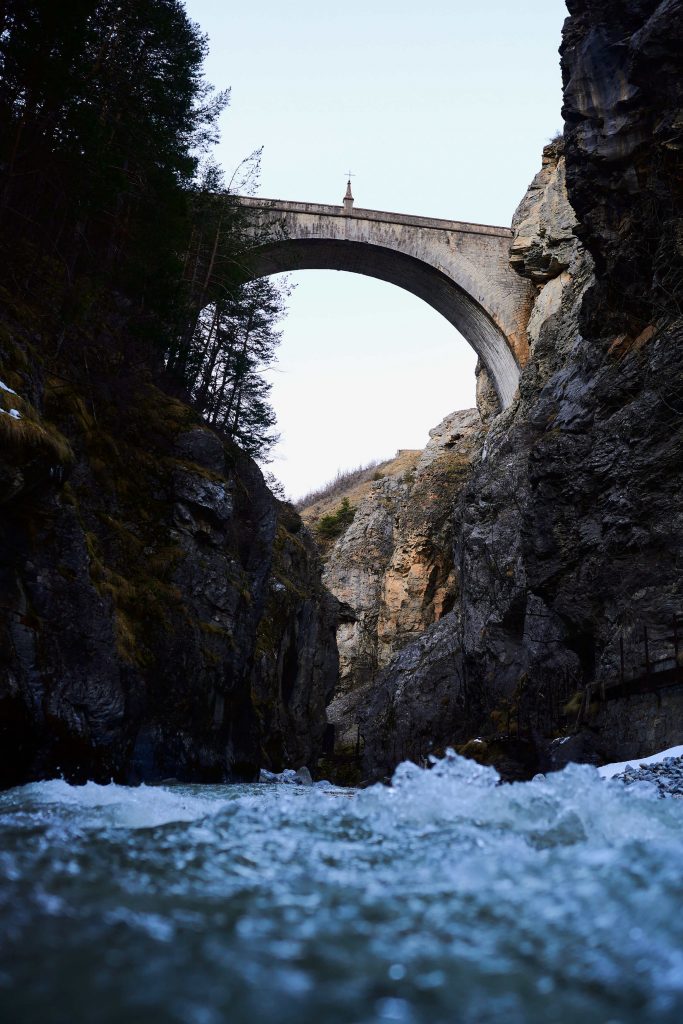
393	568
569	532
162	613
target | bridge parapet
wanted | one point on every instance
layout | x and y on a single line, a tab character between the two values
381	216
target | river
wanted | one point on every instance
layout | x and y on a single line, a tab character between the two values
446	898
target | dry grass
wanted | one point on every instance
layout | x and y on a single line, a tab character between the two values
356	485
341	483
30	431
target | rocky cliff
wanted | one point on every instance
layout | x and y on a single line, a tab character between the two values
162	614
568	533
393	567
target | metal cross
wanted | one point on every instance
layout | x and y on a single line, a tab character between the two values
351	174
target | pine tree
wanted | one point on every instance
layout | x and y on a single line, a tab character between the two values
233	344
103	111
104	118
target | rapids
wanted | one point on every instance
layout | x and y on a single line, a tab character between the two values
446	898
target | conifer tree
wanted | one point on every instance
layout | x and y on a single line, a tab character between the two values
233	345
104	118
103	111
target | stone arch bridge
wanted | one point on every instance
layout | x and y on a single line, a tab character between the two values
461	270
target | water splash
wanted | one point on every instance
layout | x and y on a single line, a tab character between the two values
445	898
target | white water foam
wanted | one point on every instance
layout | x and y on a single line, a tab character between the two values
121	806
445	899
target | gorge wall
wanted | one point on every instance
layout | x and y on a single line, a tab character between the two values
393	569
162	613
568	533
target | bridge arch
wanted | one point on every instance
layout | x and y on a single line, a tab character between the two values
461	270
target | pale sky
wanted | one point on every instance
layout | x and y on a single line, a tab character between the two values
440	109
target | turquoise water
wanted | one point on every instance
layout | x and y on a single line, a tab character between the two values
446	898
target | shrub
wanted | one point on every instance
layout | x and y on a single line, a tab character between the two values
334	523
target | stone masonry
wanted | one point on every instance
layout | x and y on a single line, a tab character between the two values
461	270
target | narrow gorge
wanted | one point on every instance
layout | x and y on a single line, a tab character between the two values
164	615
411	753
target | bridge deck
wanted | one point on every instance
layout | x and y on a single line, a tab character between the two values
322	210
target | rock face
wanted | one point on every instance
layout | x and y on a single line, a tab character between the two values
393	567
162	613
414	702
544	222
478	658
623	96
569	531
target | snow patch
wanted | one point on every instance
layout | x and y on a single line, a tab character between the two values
608	771
4	387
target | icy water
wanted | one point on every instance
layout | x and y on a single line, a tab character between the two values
444	899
